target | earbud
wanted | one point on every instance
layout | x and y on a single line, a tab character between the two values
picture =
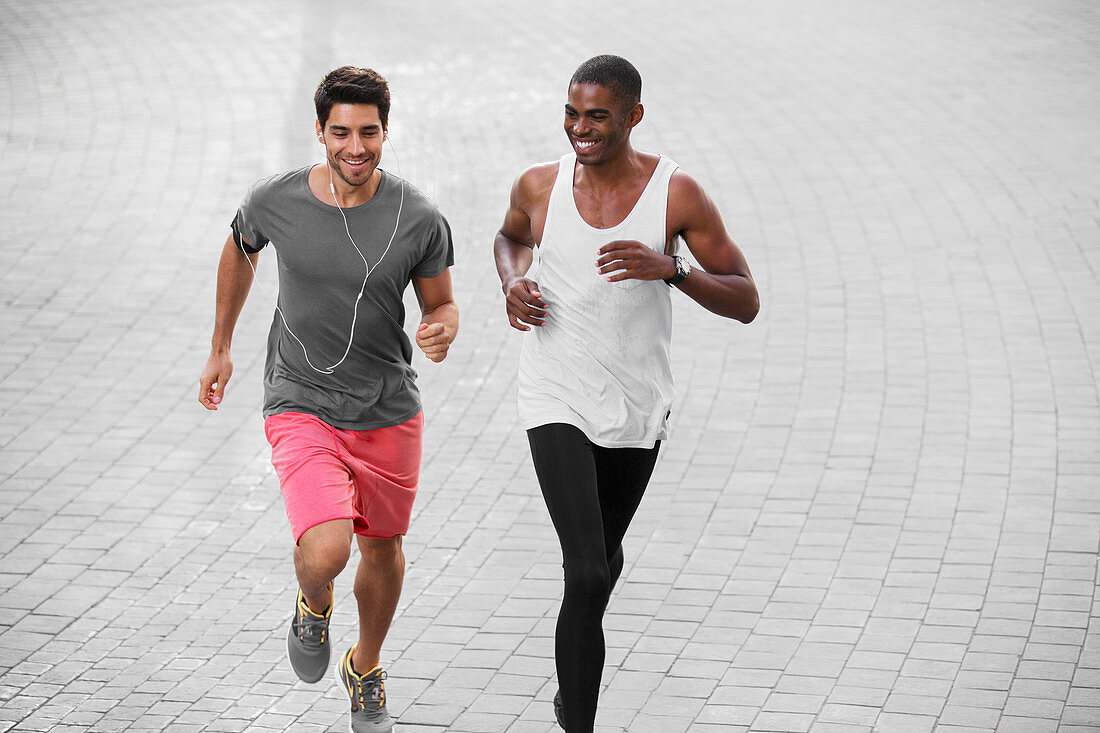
320	138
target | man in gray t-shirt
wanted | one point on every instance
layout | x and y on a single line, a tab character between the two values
341	408
320	275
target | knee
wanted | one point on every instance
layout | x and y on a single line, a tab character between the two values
588	585
324	557
382	553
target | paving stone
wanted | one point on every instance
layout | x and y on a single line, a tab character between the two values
877	508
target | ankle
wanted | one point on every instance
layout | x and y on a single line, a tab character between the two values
362	664
320	602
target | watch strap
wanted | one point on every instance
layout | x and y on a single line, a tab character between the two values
681	271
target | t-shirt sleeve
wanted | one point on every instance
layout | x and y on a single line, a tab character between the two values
245	225
439	249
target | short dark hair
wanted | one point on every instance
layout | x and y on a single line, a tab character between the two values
613	72
352	85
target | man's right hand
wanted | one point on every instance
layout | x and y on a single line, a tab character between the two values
524	303
219	368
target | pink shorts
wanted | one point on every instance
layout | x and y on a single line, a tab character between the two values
326	473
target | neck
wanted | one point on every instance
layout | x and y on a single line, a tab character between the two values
610	173
348	195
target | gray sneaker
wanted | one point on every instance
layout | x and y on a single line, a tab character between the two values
307	645
368	697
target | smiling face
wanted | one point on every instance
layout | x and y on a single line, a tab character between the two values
353	136
598	124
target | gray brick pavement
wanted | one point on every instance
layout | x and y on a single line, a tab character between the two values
878	509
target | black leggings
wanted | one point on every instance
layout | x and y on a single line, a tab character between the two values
592	494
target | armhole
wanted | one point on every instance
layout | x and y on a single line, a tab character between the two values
673	244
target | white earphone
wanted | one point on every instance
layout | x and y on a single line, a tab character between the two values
369	269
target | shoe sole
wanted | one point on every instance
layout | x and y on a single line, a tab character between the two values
340	681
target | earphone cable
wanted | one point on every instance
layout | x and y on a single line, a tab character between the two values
369	269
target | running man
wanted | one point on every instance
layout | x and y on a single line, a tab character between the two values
341	407
595	381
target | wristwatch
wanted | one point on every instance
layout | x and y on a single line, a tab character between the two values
683	269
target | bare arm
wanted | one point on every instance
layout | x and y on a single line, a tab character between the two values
234	281
513	250
439	315
724	286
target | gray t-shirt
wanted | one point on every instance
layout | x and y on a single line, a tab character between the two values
320	275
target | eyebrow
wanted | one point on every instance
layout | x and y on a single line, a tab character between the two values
345	128
594	110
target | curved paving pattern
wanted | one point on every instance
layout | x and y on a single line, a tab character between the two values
878	511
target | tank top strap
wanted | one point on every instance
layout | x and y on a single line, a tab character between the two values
651	212
657	188
663	174
561	195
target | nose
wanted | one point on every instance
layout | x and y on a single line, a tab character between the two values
357	146
580	127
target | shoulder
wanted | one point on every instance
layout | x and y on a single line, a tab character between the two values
535	183
410	197
682	187
686	198
539	174
689	205
417	208
276	185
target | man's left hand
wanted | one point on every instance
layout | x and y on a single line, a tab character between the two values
627	259
433	340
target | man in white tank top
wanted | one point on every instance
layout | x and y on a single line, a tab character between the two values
595	379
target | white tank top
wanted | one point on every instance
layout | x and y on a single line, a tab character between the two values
601	363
